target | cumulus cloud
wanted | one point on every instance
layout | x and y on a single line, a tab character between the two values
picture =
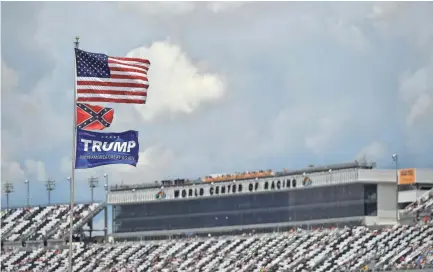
227	6
9	78
159	8
416	89
385	11
178	8
350	35
13	171
66	165
324	134
36	169
225	94
155	162
177	86
375	151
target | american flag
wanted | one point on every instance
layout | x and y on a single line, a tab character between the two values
101	78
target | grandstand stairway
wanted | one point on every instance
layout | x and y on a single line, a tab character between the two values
62	223
89	216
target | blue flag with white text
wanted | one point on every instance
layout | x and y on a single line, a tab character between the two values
94	149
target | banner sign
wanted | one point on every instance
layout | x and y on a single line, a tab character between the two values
406	176
94	149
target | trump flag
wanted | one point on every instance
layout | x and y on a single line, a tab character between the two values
94	149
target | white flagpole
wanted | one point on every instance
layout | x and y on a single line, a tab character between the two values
72	183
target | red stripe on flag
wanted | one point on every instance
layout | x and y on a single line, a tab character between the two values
132	59
91	91
112	84
111	100
127	64
128	77
122	69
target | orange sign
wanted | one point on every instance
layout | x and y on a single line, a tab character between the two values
239	176
406	176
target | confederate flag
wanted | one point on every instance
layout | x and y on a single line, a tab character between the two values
93	117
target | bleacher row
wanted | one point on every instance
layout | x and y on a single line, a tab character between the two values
423	204
320	250
37	223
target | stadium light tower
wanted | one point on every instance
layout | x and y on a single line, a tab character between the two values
9	188
93	183
50	185
27	182
395	159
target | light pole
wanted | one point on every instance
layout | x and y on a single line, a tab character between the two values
50	185
106	208
9	188
93	183
395	159
27	182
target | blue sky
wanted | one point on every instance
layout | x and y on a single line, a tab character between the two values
233	87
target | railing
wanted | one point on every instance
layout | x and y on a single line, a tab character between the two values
410	206
315	179
47	205
89	216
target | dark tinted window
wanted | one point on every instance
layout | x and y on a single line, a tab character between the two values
268	207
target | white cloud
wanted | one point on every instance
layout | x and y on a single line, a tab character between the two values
155	162
9	78
323	135
178	8
227	90
66	165
36	169
374	151
385	10
224	6
303	126
176	84
11	171
159	8
349	35
416	89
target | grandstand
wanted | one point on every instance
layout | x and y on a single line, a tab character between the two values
44	222
343	217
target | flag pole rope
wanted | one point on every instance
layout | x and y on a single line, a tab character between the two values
72	180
